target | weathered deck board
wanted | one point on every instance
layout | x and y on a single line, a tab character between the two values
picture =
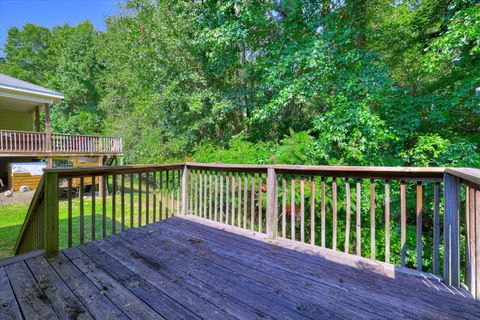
182	269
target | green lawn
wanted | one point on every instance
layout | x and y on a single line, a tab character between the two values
12	217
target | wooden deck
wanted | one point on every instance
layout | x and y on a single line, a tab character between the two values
182	269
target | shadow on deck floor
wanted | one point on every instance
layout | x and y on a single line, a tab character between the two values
180	269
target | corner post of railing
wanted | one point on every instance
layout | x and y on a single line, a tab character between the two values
185	190
272	212
451	270
50	217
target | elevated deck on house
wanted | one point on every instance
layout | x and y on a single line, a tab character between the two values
189	268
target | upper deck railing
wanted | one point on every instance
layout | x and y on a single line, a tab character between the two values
41	143
426	219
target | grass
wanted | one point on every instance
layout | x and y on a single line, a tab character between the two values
13	216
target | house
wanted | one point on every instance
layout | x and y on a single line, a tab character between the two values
23	105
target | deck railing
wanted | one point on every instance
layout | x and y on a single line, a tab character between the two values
27	142
426	219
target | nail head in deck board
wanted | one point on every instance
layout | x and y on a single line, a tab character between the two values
61	298
8	303
31	299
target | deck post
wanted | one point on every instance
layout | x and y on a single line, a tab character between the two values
451	270
184	190
50	217
272	213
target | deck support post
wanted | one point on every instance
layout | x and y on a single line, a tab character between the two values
272	212
451	270
50	216
184	190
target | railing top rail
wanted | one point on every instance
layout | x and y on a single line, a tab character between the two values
98	171
22	131
61	134
330	171
398	173
83	135
470	175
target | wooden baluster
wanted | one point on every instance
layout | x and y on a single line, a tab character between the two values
245	200
122	201
470	239
239	196
205	195
284	207
227	198
190	194
232	221
215	211
419	224
252	202
372	219
403	223
334	208
302	210
200	194
260	205
322	204
195	179
69	195
147	197
436	229
94	208
221	197
387	221
358	229
312	210
131	200
347	218
114	203
179	175
175	187
166	194
210	195
154	200
82	211
292	207
160	205
140	200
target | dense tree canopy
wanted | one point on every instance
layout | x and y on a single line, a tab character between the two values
378	82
